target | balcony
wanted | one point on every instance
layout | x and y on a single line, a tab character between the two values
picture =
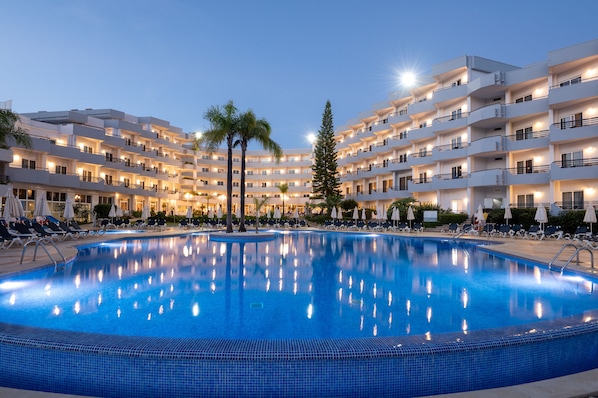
536	175
450	181
399	117
487	116
449	151
485	178
486	145
449	94
29	176
527	108
561	96
582	129
64	180
579	169
421	133
6	155
92	183
488	86
64	151
89	132
418	159
397	165
450	122
92	158
420	185
421	107
525	141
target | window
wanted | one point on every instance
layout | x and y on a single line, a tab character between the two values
220	183
403	158
291	171
109	157
276	171
456	114
404	182
276	184
423	177
264	172
105	199
86	176
574	159
249	185
235	171
403	135
571	121
108	179
126	182
456	143
264	184
525	200
28	164
523	99
87	149
249	172
220	157
291	184
572	200
60	169
220	171
423	152
525	167
205	156
570	82
205	170
424	124
456	172
524	134
277	195
456	83
235	184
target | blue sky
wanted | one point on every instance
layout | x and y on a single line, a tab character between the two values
283	59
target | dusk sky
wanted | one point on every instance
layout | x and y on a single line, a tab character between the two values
283	59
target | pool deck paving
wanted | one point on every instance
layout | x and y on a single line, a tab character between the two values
580	385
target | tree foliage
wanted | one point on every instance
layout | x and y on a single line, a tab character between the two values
325	180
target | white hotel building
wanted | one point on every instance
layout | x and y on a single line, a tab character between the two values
474	132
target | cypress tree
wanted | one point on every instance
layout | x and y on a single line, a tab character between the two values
325	180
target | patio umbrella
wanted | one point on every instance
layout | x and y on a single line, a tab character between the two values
145	213
356	213
267	214
112	213
541	215
210	213
508	214
41	206
590	216
296	214
339	213
13	207
410	215
479	215
395	216
277	213
363	216
119	212
189	213
69	211
219	213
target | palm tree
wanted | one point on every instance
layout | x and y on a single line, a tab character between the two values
257	203
8	129
224	123
283	188
251	128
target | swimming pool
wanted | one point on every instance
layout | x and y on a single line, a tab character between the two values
318	314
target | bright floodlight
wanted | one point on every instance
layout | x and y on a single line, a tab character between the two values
311	137
408	79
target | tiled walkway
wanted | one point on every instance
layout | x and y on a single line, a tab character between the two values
578	385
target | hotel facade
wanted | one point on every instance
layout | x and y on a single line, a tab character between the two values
474	132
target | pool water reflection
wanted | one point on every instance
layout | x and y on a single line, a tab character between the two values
302	285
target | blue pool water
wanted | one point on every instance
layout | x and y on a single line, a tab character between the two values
300	285
307	314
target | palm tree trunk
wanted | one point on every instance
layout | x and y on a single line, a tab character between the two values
242	190
229	186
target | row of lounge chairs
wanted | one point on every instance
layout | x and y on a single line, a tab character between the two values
517	231
24	230
216	223
374	226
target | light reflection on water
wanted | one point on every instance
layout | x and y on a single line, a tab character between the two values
301	285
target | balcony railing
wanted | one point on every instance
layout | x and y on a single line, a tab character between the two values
451	176
545	168
576	163
569	124
528	135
